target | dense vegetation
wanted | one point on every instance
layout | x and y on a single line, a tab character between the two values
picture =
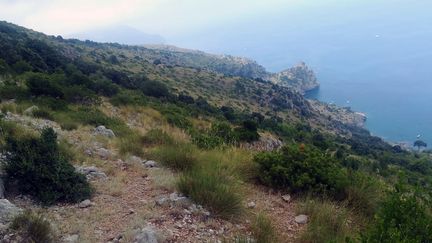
354	177
43	171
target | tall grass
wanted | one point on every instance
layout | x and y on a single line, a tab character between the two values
328	222
211	187
179	156
263	230
33	228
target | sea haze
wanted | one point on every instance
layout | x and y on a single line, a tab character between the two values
374	56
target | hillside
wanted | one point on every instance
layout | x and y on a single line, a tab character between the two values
115	143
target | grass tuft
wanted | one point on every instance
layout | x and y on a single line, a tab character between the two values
328	222
33	227
211	187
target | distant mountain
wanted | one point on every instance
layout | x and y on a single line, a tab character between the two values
300	77
119	34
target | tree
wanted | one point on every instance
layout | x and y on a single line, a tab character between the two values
419	144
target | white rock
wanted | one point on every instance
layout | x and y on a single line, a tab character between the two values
147	235
301	219
86	203
251	205
150	164
71	239
286	198
8	211
103	131
103	153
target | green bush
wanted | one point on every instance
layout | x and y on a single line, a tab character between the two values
181	156
211	187
403	217
206	141
248	132
40	84
33	228
42	171
301	169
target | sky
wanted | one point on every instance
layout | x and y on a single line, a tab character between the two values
164	17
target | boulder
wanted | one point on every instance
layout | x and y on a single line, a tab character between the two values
286	198
86	203
150	164
147	235
301	219
103	153
8	211
103	131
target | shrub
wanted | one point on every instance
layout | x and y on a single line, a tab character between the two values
157	137
211	187
403	217
42	84
181	156
206	141
301	169
42	171
12	91
178	120
248	131
363	193
328	222
33	228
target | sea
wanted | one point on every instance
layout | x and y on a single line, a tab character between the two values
373	56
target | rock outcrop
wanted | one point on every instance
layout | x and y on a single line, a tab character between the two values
300	77
8	211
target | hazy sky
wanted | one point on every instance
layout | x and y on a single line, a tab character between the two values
164	17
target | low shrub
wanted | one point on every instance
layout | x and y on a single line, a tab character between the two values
403	217
328	222
206	141
42	171
33	228
300	168
211	187
248	132
180	156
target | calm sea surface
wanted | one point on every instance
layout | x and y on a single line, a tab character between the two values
374	56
